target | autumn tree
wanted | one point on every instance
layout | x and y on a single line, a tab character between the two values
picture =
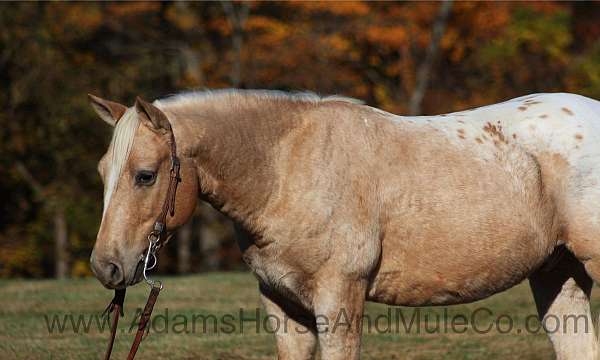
386	53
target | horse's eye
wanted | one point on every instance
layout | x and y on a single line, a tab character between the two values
145	177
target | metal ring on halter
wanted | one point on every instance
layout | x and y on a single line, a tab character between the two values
150	267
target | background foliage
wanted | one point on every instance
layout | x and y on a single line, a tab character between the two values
53	54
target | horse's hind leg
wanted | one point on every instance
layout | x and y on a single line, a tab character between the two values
562	296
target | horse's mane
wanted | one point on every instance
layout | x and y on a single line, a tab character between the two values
195	97
122	140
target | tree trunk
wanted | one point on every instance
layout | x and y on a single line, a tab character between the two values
61	244
61	233
237	16
424	72
584	24
184	241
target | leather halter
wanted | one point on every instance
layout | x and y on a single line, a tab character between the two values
156	239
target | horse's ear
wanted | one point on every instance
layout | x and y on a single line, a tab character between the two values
152	115
108	111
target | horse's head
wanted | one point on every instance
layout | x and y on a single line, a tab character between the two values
136	172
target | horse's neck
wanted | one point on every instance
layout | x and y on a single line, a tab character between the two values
233	147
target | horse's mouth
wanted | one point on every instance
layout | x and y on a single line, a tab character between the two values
138	274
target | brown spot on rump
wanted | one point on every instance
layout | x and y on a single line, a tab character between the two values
461	136
495	132
461	131
531	102
479	140
543	116
522	108
567	111
578	136
460	121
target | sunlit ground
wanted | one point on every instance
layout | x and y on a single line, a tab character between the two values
27	308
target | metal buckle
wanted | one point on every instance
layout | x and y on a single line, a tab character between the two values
153	238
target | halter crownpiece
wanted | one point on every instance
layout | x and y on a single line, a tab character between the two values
156	238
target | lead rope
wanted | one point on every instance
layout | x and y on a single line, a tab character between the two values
116	306
155	241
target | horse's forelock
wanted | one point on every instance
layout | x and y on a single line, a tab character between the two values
119	149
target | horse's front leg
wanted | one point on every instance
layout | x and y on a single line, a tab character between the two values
294	327
338	306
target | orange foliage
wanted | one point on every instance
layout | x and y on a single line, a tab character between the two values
344	8
53	53
387	37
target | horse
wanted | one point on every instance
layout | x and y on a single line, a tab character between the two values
337	203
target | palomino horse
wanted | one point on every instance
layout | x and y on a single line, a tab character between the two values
338	203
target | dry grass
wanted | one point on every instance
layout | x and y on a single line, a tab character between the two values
24	333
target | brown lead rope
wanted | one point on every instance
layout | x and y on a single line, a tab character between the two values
144	318
116	307
156	239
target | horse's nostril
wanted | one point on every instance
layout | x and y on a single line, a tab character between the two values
110	273
116	275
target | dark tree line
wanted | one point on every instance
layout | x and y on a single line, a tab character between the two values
404	57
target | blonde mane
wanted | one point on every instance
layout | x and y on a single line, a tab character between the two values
195	97
119	149
123	135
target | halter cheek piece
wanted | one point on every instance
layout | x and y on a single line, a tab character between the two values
156	239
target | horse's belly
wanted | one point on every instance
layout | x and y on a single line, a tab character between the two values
429	283
479	229
455	270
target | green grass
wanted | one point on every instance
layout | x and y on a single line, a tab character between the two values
24	334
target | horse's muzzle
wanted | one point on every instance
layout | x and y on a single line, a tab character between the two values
109	272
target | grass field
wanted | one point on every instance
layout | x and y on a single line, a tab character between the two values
28	308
